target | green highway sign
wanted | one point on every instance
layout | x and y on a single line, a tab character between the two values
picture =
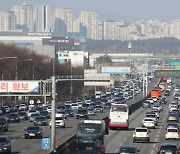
167	73
175	63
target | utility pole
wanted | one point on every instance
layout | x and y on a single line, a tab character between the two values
146	84
53	112
143	82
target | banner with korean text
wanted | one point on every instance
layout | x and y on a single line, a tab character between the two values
19	86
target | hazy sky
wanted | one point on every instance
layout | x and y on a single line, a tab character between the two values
129	10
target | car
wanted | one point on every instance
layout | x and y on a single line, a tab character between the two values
5	145
23	115
167	92
170	148
74	106
149	123
172	133
163	100
146	104
69	112
31	112
173	117
44	113
13	117
3	125
63	113
150	100
33	116
99	108
40	121
91	111
82	113
33	132
59	121
141	134
172	124
152	116
128	150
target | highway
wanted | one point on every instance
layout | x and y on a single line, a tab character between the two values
115	138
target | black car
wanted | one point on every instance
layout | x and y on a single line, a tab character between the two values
40	121
82	113
33	132
128	149
5	145
69	112
13	117
23	115
99	108
45	113
167	93
168	148
33	116
4	125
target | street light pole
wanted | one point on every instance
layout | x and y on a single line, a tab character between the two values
130	47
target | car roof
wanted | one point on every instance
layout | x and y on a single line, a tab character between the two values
129	148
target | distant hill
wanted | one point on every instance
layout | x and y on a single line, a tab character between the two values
160	46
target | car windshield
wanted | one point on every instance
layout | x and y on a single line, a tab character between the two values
118	109
141	130
128	150
81	111
3	139
59	118
12	115
90	129
2	122
21	113
33	128
40	118
169	148
34	115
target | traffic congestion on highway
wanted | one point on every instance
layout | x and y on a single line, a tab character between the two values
153	128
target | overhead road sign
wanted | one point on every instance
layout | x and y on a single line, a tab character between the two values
167	73
175	63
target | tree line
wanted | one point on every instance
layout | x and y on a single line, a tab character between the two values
159	46
24	64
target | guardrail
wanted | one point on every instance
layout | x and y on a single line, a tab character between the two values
68	147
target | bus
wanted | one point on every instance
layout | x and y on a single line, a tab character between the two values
90	137
119	116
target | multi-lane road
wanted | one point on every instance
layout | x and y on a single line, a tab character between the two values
114	139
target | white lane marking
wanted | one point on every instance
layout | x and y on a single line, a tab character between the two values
23	150
125	139
116	151
13	140
33	145
152	152
154	146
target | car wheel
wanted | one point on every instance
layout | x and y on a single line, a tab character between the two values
64	126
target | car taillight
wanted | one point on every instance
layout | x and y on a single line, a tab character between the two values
147	134
77	145
134	133
102	146
166	132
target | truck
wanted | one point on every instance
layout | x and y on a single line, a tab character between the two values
156	93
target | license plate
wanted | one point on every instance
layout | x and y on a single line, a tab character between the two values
31	134
118	123
89	148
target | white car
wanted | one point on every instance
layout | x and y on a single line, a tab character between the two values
172	133
150	100
74	106
141	134
59	121
148	123
152	116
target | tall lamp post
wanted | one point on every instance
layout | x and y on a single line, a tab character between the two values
130	47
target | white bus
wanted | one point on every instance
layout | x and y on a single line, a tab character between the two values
119	116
